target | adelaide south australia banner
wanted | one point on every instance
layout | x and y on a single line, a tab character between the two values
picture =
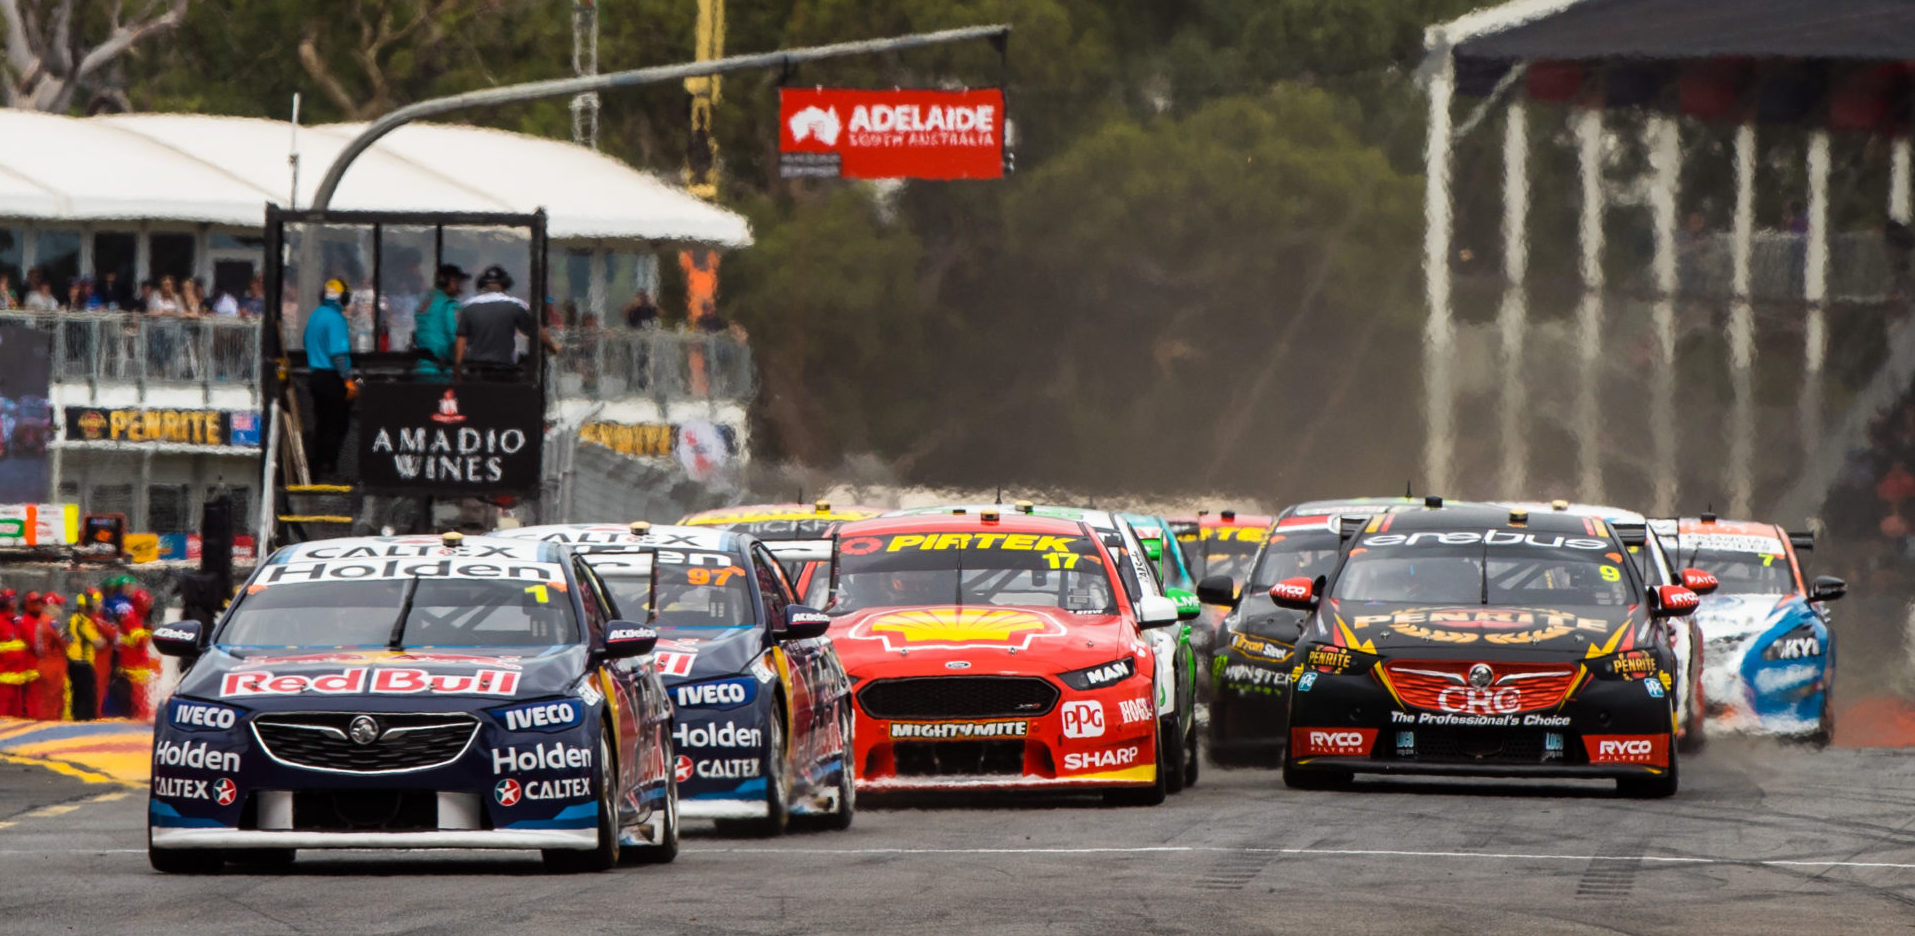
901	134
458	441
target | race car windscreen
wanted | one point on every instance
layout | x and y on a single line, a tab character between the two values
1744	565
1423	569
695	589
1027	569
1230	550
444	612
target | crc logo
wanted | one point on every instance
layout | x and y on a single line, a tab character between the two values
1504	701
1084	719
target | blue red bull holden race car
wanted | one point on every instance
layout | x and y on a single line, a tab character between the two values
764	714
414	692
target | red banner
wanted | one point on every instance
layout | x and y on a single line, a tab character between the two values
838	133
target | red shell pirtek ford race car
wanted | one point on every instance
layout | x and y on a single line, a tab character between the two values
995	651
1480	640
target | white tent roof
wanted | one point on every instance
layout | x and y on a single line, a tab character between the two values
223	170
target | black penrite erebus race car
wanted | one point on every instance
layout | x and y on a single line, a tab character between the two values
414	692
1477	640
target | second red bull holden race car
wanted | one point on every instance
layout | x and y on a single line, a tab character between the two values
997	651
1489	641
414	692
763	706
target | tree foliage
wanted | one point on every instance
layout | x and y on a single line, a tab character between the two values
1214	200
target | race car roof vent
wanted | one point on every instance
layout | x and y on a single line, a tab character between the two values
958	511
452	539
1349	525
1228	516
988	515
1559	504
1025	507
1708	517
1518	516
1432	500
641	528
823	506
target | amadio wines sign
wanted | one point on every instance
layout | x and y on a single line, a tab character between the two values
454	441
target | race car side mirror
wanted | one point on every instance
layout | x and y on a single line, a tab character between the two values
1698	581
1827	588
1156	611
625	639
1188	607
1217	590
179	639
1296	594
802	623
1673	601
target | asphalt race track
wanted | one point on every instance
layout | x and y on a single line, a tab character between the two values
1763	838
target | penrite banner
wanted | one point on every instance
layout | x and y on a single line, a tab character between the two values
191	427
468	440
838	133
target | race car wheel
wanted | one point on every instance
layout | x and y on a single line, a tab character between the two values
667	847
1298	779
1171	747
1825	727
847	782
777	786
1694	735
1191	755
1144	796
1657	787
182	860
603	857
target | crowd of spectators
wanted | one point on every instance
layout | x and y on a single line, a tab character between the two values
173	297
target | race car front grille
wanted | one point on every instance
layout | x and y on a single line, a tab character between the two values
1444	685
1475	745
365	811
959	758
958	697
405	742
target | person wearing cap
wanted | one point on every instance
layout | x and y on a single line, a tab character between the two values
16	661
437	328
46	694
491	321
329	358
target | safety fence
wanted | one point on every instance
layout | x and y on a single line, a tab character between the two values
607	364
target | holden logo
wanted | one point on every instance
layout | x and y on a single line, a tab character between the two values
683	769
1480	676
957	664
364	730
226	791
507	792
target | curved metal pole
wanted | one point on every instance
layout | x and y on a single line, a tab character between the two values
567	87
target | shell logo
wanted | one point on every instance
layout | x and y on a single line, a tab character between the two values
956	628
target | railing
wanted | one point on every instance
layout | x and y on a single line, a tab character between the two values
606	364
662	365
1860	267
123	347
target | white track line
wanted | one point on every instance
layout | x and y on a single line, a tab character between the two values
1329	852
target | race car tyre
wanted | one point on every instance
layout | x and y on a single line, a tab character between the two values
1694	734
605	856
1192	756
1297	779
840	820
182	860
261	859
1656	787
777	786
1825	727
667	847
1144	796
1171	766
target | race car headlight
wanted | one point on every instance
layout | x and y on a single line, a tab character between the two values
1801	643
1338	661
1097	677
1629	664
